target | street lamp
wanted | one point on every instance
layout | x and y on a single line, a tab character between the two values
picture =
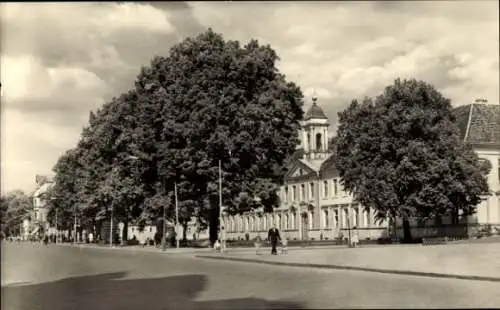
111	226
176	218
74	228
220	198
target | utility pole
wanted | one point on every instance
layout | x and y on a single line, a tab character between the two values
111	227
220	200
57	227
349	225
176	216
74	239
164	223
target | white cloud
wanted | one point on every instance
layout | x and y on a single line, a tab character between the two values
61	60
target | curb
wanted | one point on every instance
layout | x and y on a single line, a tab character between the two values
366	269
124	249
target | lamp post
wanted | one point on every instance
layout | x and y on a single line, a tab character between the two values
111	226
74	228
164	220
176	217
349	226
57	226
220	198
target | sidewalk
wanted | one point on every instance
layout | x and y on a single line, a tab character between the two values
479	261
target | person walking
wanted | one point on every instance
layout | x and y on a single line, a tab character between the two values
273	236
223	239
355	238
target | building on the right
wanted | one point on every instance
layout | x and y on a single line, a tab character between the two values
479	125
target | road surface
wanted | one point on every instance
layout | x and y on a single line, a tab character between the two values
56	277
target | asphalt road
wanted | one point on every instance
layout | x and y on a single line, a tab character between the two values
55	277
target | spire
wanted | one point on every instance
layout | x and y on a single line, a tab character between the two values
314	97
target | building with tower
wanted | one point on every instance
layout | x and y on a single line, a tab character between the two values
314	205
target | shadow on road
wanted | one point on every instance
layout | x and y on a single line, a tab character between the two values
108	291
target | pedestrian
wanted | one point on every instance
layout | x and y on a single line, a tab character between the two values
273	236
45	240
355	238
223	239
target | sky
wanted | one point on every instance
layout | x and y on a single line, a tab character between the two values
59	61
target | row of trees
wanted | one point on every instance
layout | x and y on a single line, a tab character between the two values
212	100
209	100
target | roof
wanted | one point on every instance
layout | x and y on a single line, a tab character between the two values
479	123
43	189
315	112
329	163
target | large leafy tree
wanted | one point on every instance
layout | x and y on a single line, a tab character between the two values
15	207
401	154
217	100
66	195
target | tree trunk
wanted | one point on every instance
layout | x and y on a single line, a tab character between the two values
184	230
125	232
213	225
406	231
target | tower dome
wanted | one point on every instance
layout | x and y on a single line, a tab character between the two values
315	111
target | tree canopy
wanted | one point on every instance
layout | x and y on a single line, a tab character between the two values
401	154
15	206
208	100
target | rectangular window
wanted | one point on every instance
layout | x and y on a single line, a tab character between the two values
336	218
302	191
367	219
286	193
335	187
311	193
325	189
498	169
294	192
355	220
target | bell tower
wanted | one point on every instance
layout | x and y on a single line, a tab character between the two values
315	132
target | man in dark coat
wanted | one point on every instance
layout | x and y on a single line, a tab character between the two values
273	236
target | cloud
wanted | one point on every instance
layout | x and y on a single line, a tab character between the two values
59	61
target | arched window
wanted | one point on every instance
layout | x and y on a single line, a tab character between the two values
287	218
247	223
325	189
310	215
319	145
264	222
251	224
257	223
240	222
278	221
325	219
293	221
308	140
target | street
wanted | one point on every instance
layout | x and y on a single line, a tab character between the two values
57	277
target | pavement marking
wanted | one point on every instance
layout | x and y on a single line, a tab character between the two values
340	267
